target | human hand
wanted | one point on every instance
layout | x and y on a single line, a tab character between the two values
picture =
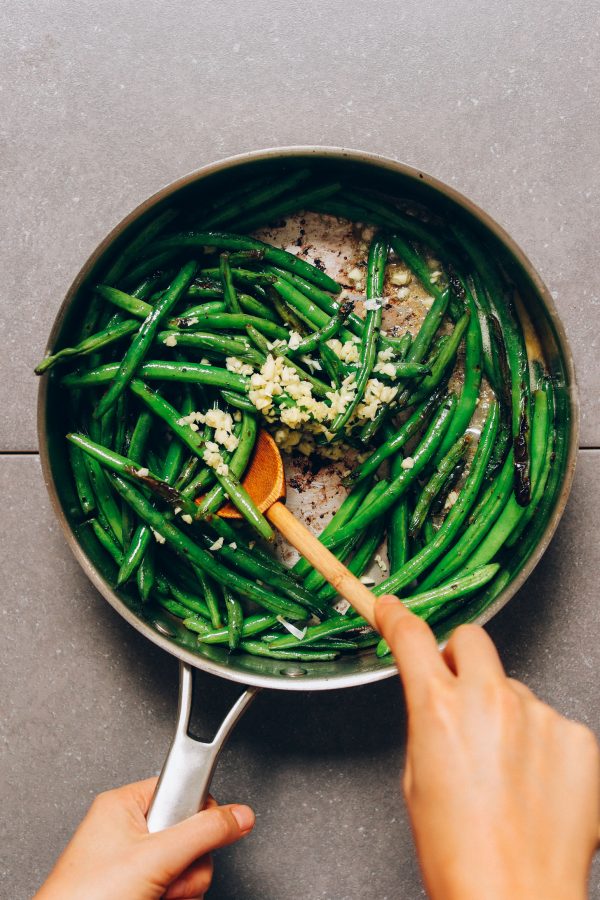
503	792
112	856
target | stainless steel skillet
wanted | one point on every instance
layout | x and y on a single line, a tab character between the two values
188	769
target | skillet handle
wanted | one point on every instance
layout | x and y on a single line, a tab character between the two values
183	785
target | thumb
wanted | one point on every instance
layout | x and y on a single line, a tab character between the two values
174	849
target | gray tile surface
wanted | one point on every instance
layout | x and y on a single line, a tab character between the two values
102	104
90	704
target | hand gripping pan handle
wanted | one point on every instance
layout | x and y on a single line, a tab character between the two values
183	785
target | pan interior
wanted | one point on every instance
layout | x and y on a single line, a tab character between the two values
313	493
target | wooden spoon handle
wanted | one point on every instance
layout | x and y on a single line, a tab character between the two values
324	561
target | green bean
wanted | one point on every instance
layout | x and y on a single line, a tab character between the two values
332	365
190	551
397	529
237	465
142	341
246	187
175	608
257	648
312	341
239	322
243	205
225	529
145	574
420	269
413	227
335	625
235	619
513	511
246	277
248	304
109	459
273	255
471	384
333	644
164	410
309	312
480	520
291	204
244	503
287	314
205	340
106	540
196	623
258	569
425	603
89	345
128	302
252	625
517	359
229	292
420	459
228	481
455	518
107	426
239	401
484	315
444	360
104	498
378	254
163	370
191	315
191	601
340	208
82	481
413	424
211	595
539	484
121	444
436	482
144	236
318	387
139	540
158	263
435	315
255	308
135	553
202	481
187	473
326	304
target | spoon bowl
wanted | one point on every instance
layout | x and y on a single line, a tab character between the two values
265	482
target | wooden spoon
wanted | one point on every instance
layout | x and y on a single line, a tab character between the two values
265	482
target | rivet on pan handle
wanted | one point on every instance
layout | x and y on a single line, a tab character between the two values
188	769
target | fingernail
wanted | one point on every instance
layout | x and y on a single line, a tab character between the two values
386	600
244	816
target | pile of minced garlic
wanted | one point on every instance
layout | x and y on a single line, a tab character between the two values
223	436
300	417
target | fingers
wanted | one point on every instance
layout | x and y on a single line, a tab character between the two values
176	848
137	794
520	689
413	644
193	882
471	654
